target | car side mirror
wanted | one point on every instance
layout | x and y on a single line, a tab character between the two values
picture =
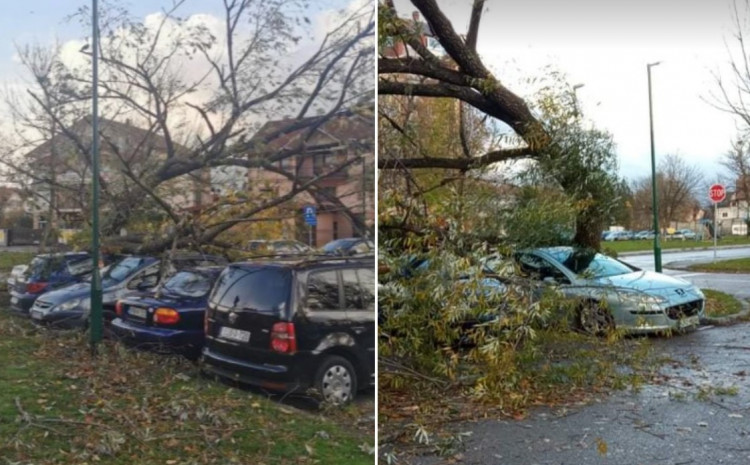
550	280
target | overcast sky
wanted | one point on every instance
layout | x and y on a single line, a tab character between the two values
47	21
605	45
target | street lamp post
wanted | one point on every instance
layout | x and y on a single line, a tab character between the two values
95	315
654	205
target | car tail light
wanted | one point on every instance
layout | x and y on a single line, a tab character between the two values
283	338
205	322
34	288
118	308
166	316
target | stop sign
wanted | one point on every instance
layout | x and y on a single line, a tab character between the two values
717	193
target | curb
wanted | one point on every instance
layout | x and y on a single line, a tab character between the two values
686	249
729	319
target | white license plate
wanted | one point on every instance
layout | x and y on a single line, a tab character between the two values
13	300
234	334
37	315
137	312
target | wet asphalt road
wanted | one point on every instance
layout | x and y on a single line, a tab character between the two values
670	423
698	413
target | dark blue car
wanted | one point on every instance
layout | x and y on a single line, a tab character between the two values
170	319
45	273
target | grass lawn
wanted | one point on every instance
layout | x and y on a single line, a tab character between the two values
635	246
737	265
720	303
60	406
10	259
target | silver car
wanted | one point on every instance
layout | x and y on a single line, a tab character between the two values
612	294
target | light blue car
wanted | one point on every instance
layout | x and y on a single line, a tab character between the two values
612	294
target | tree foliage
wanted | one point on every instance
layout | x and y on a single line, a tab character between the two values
201	90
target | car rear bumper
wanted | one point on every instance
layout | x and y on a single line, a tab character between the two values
274	377
166	339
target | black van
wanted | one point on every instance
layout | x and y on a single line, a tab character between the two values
292	325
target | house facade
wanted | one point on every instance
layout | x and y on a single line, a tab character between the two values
338	160
61	174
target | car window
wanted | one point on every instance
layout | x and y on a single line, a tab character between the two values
80	265
262	289
590	264
44	268
359	289
537	268
188	284
323	291
121	270
148	278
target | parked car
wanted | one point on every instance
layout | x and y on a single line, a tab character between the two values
280	247
646	234
349	246
683	234
47	272
611	293
171	318
480	282
69	307
612	236
290	325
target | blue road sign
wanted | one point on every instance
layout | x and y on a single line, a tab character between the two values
311	216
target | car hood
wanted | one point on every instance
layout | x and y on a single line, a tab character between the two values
652	283
74	291
82	290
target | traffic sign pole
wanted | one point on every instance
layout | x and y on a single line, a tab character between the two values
717	193
716	242
310	215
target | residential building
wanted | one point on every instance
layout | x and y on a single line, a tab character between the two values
61	173
340	152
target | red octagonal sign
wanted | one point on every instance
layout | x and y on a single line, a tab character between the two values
717	193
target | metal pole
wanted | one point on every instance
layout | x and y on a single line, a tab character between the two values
309	235
716	230
96	281
654	204
364	196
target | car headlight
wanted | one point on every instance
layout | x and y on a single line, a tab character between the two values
65	306
641	300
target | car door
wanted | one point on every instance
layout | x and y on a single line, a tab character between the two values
540	274
323	321
359	303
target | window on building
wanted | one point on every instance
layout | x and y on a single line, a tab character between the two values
724	215
335	230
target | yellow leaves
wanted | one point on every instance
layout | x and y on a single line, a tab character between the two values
601	446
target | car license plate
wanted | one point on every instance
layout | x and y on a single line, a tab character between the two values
234	334
13	300
689	322
37	315
137	312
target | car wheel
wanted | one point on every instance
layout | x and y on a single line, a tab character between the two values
594	319
336	380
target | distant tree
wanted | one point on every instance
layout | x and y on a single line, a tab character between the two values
737	164
677	184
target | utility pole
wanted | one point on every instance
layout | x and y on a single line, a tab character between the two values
95	322
654	204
